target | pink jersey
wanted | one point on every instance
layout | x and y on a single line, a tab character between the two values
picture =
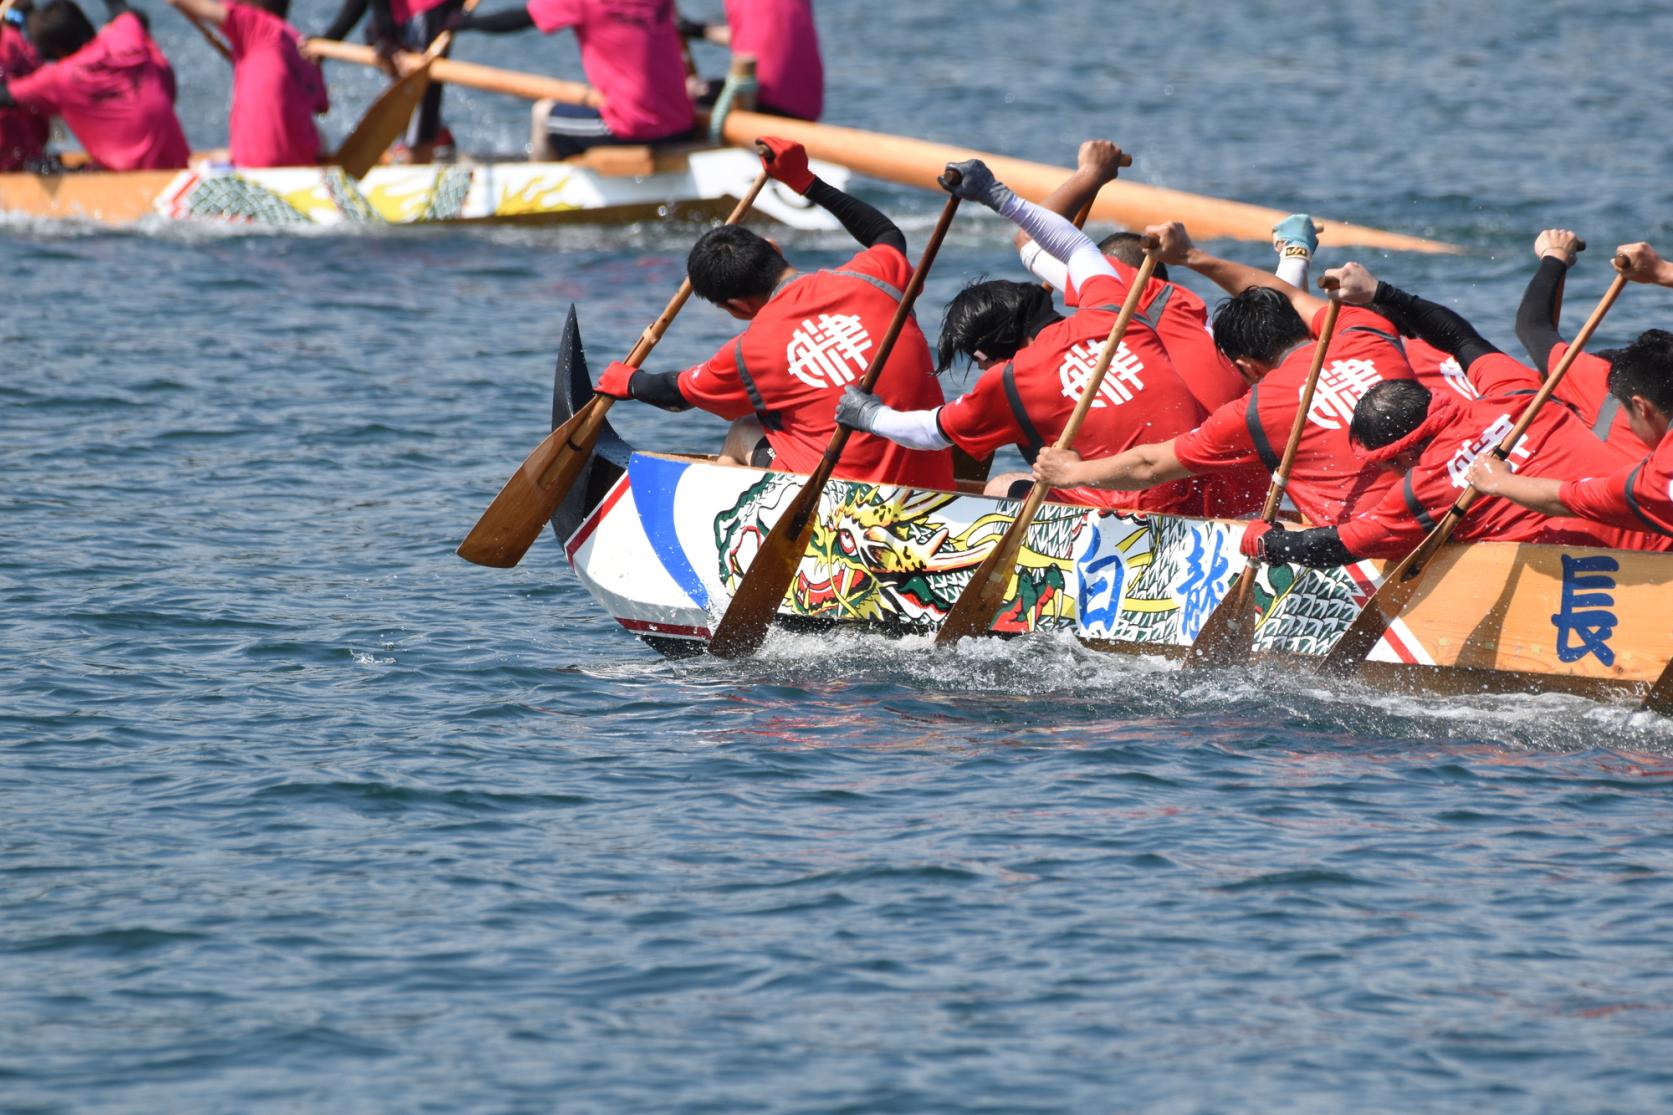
117	96
781	35
23	134
275	91
630	50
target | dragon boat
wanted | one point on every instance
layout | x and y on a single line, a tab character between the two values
661	541
613	184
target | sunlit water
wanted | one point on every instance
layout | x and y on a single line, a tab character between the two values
300	812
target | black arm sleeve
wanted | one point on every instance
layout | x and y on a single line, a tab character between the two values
1432	322
497	23
863	223
660	389
1319	547
1536	317
347	16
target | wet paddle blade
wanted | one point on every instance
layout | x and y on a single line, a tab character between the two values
1660	697
384	123
763	585
524	506
1227	636
972	614
1372	623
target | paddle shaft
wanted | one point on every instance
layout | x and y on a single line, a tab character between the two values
973	612
762	588
1226	637
209	35
916	162
1401	583
526	502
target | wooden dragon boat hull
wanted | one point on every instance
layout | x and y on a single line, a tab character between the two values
617	185
660	541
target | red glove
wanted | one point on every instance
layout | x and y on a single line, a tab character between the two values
787	162
615	379
1254	539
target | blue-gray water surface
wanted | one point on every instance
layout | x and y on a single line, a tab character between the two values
299	812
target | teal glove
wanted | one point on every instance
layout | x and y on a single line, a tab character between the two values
1296	234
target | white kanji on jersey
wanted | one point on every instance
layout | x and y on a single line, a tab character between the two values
1456	379
1121	381
1341	386
829	350
1458	467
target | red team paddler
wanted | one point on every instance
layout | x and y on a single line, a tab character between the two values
1262	330
810	335
1037	365
114	88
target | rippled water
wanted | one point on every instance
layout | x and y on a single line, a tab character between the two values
300	812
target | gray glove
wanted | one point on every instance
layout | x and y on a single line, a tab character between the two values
858	410
975	182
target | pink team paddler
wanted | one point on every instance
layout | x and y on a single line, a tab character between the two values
23	133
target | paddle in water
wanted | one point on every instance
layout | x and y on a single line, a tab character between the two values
387	118
974	611
1400	584
1227	636
768	577
520	512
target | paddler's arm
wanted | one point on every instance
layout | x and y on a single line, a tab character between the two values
1098	164
495	23
659	389
1295	239
1132	470
1644	265
347	16
1439	325
1317	547
1055	235
1492	476
787	162
914	429
209	11
1536	317
1234	278
718	33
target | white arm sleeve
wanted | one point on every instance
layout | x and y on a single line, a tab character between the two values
1043	266
1293	270
1058	237
915	429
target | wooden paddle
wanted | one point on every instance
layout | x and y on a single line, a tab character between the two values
1660	697
1227	637
386	120
1400	584
209	35
916	162
520	512
768	577
974	611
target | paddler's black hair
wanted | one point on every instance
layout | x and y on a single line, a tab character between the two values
733	262
1645	367
995	317
1259	324
59	29
1388	412
1128	247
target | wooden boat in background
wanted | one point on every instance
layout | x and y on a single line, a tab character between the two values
615	184
660	540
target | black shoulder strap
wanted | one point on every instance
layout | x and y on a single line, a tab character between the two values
1419	512
1034	441
1257	433
768	420
1637	509
1606	417
1151	315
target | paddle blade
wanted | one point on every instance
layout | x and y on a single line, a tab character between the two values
1228	635
762	587
972	614
524	506
384	123
1660	697
1371	624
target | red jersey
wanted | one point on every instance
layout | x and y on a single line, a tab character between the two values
23	134
117	95
1556	444
630	50
1637	498
781	35
275	91
1328	482
1028	401
812	339
1438	370
1180	318
1585	387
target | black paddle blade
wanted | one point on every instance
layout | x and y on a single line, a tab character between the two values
572	383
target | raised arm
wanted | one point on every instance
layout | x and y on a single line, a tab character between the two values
208	11
347	16
1099	163
1233	277
788	164
1418	317
1542	302
1055	235
1644	265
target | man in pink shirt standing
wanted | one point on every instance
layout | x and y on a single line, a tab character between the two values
630	51
114	88
782	37
275	91
23	134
